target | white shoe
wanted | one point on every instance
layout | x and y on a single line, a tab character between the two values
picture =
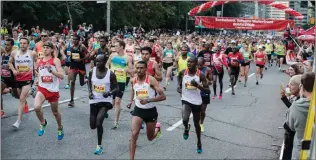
17	124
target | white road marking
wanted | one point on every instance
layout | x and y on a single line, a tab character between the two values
282	151
176	124
60	102
180	122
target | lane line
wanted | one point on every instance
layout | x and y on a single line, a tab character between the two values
282	151
174	126
60	102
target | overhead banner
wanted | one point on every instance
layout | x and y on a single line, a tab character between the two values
242	23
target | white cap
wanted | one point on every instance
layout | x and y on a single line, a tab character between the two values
233	41
268	41
260	47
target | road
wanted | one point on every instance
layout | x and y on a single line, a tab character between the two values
244	126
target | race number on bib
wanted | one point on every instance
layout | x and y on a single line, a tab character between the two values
189	86
75	56
99	88
23	68
142	93
47	79
169	55
119	72
259	59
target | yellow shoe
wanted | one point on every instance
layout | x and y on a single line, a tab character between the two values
202	127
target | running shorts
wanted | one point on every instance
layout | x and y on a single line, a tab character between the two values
206	99
259	65
148	115
166	65
10	83
194	108
245	64
83	72
49	96
234	70
20	84
121	90
100	105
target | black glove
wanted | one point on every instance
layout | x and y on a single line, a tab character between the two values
106	94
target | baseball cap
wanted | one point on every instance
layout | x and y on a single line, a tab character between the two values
35	34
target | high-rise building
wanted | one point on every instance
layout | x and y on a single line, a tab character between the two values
274	13
302	7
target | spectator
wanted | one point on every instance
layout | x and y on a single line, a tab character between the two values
297	114
294	69
308	66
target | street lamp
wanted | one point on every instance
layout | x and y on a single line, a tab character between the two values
108	14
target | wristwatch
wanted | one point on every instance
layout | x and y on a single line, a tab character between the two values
148	100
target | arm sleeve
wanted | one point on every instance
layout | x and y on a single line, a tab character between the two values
286	102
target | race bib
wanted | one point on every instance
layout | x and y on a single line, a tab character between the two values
68	53
40	54
142	93
169	55
189	86
99	88
5	73
207	64
119	72
47	79
75	55
152	58
259	59
22	68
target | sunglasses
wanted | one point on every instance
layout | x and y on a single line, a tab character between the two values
44	35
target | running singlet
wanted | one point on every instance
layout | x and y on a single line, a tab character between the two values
16	45
260	58
137	57
118	66
246	55
5	69
234	59
39	49
280	50
150	68
47	80
190	93
217	62
143	91
182	64
99	86
96	45
154	55
268	49
76	54
168	53
129	50
24	64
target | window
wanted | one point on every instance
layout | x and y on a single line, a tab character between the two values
304	4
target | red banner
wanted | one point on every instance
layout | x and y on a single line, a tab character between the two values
242	23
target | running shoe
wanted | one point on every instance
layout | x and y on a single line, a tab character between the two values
214	96
98	150
60	134
106	115
261	75
115	125
32	92
2	114
186	132
67	86
202	128
159	130
71	103
41	131
220	96
245	85
257	83
233	93
16	125
26	107
199	148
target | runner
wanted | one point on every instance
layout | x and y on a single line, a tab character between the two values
16	39
268	51
169	55
143	92
280	52
206	53
138	55
49	72
103	50
181	61
234	59
244	67
152	66
78	54
39	45
189	87
218	63
120	64
205	97
67	60
129	50
259	58
104	86
7	78
22	69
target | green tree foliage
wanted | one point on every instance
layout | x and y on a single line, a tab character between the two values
49	14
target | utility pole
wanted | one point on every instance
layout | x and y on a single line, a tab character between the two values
108	16
186	24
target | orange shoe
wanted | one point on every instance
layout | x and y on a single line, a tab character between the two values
26	108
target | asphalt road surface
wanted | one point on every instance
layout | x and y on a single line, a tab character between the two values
243	126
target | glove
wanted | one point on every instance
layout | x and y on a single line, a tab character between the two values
106	94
